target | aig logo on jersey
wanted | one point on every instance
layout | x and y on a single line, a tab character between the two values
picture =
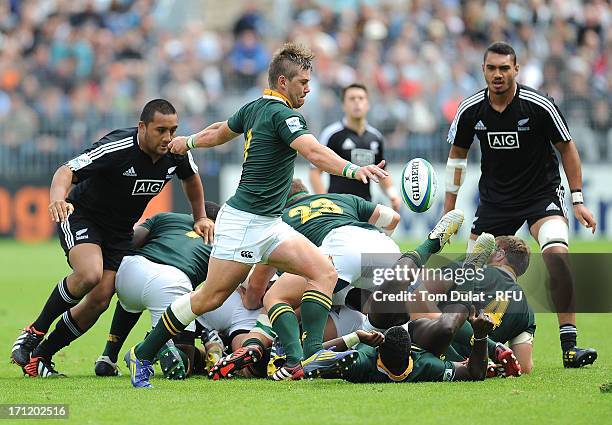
147	187
503	140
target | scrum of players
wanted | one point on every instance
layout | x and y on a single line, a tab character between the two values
422	342
444	342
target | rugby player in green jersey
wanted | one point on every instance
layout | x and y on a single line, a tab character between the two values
249	229
412	353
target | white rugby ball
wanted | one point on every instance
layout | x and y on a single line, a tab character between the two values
419	185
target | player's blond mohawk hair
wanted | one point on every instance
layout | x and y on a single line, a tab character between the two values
288	61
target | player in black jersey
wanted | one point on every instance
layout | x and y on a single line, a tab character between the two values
517	128
355	140
114	180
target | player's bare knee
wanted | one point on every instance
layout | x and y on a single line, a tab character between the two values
328	277
86	280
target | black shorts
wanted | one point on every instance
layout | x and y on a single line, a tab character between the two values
79	229
501	221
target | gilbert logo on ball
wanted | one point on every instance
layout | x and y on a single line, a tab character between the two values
419	185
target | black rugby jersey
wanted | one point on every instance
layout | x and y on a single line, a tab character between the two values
116	179
518	163
365	149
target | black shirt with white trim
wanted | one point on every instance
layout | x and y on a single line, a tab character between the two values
518	163
364	149
116	179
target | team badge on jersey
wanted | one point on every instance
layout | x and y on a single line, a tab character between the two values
294	124
79	162
522	124
503	140
147	187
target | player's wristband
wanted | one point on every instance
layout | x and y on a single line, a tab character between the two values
577	197
351	340
191	142
484	338
350	170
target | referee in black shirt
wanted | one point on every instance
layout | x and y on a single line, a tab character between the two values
517	128
114	180
355	140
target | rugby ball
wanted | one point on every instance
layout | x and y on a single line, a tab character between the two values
419	185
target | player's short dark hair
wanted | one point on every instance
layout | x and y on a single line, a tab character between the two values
212	209
501	48
517	252
156	105
353	86
288	61
395	351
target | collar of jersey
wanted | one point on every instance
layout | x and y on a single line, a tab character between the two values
273	94
396	378
507	270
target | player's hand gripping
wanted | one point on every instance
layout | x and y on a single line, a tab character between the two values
178	145
482	324
585	217
60	210
373	172
372	338
205	228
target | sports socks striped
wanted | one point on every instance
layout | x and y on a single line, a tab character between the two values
58	302
285	324
315	310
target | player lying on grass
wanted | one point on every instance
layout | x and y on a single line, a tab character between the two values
513	317
383	315
413	354
289	288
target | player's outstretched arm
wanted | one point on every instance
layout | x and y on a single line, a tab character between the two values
392	193
346	342
59	209
456	166
571	165
476	368
213	135
327	160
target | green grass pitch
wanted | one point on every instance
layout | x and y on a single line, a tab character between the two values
549	394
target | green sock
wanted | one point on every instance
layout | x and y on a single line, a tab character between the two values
315	309
426	249
285	324
253	341
123	323
167	327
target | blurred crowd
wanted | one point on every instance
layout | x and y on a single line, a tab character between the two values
71	70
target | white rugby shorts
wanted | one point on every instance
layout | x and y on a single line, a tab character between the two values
248	238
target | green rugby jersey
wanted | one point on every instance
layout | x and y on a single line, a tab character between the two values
269	126
314	216
173	242
425	367
512	315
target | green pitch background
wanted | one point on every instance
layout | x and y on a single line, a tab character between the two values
549	394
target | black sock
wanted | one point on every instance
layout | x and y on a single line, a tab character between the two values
58	302
64	333
123	323
568	334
